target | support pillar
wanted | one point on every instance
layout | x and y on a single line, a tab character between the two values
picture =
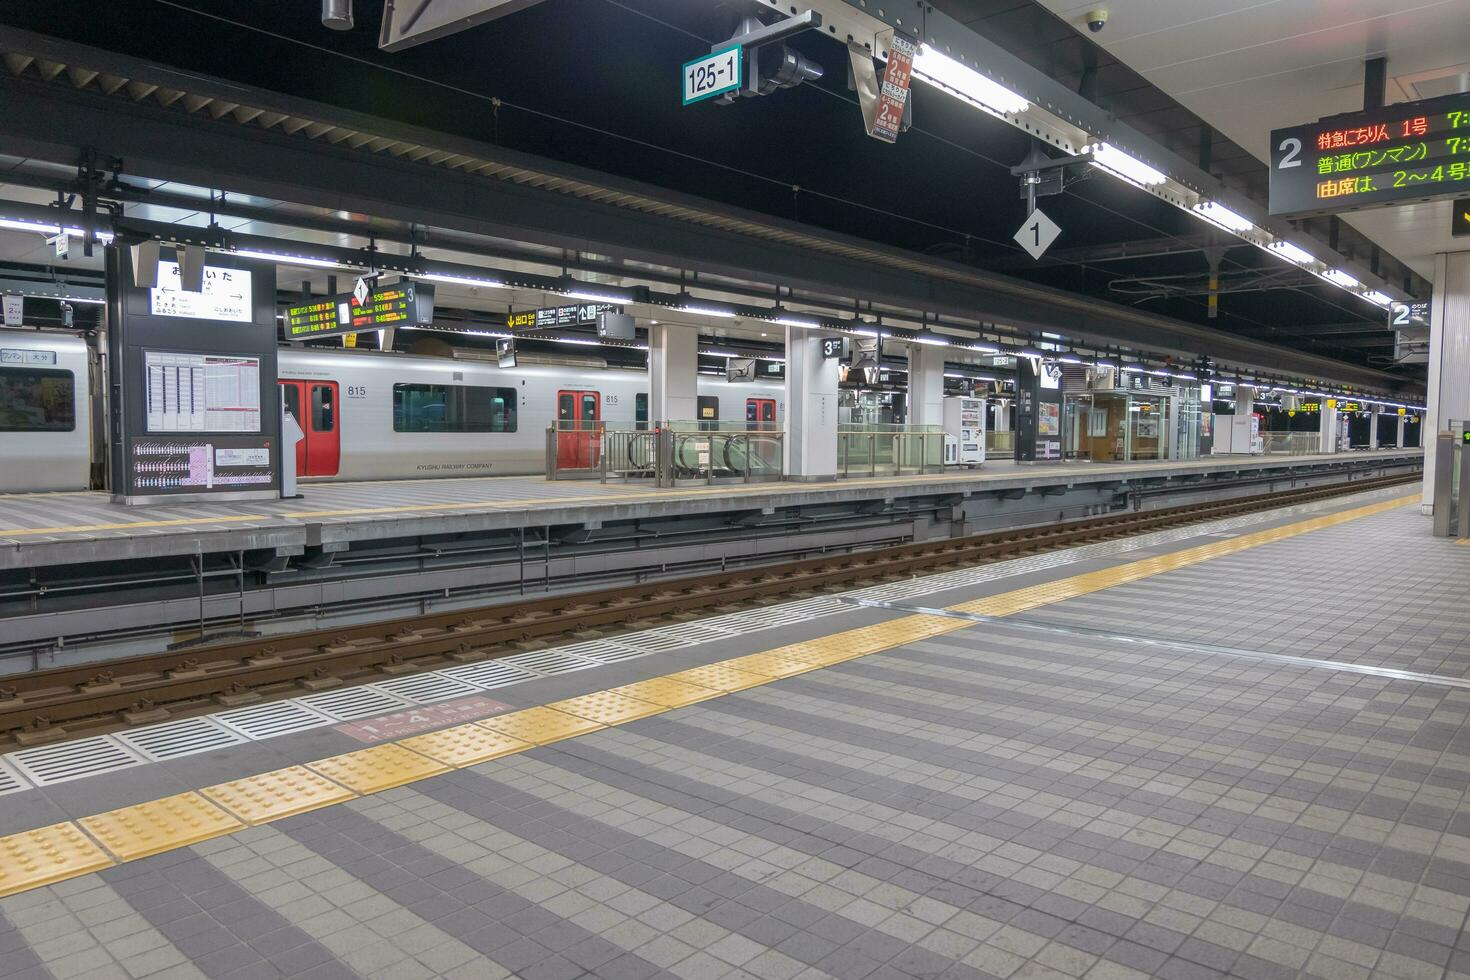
926	385
1242	432
811	408
1373	429
673	369
1002	415
1327	426
1399	439
1449	359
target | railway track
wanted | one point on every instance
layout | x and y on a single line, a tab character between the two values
55	704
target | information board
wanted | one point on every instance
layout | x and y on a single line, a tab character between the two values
226	295
202	392
571	315
185	465
402	304
1404	152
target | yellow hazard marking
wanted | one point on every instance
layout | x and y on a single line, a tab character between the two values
378	768
607	707
273	795
128	525
720	677
666	692
47	855
465	745
540	725
61	851
151	828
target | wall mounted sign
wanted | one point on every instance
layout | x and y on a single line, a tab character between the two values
226	295
572	315
403	304
714	74
1405	152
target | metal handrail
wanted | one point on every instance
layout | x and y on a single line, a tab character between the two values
666	455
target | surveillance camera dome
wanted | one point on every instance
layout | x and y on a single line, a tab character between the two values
1097	19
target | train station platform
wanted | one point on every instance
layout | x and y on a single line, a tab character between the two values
60	528
1233	749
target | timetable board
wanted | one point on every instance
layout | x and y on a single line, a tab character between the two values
1405	152
202	392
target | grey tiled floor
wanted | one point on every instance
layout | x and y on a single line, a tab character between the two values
991	803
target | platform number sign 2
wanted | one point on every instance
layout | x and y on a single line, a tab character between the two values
1037	234
714	74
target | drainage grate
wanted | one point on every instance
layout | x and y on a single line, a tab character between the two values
271	720
426	688
10	781
52	764
488	675
549	662
673	637
603	651
353	702
179	738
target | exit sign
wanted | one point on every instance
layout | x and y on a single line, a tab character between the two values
1460	220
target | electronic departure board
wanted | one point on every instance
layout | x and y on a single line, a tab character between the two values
1404	152
403	304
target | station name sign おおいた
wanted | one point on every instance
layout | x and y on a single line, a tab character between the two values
403	304
1404	152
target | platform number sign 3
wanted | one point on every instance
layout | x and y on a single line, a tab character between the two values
1037	234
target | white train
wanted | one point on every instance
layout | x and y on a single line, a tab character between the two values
366	415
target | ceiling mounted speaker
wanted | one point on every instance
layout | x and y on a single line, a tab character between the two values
191	268
337	14
145	264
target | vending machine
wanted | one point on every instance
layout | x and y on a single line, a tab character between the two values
964	419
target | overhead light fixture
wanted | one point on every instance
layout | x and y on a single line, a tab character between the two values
1291	253
43	228
1222	217
689	304
1339	278
592	292
964	82
1377	298
1120	164
929	340
789	319
285	259
458	280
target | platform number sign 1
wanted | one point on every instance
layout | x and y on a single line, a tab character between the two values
1037	234
714	74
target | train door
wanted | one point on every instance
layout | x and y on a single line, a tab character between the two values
314	405
578	418
761	410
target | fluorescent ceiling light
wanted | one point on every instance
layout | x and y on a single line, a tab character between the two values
592	292
1104	364
458	280
707	309
929	340
1120	164
246	253
1377	298
1221	216
789	319
966	83
1340	278
41	228
1292	253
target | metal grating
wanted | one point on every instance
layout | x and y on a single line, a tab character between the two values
489	675
603	651
549	662
673	637
426	688
272	720
10	780
52	764
179	738
353	702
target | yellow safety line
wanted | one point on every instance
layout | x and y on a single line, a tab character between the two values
65	850
178	522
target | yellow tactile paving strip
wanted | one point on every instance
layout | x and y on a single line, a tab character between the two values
64	850
161	825
273	795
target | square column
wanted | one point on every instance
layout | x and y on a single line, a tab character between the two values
673	370
1373	429
811	408
926	385
1399	439
1327	428
1449	359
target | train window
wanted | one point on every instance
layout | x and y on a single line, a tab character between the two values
293	402
323	413
37	400
453	408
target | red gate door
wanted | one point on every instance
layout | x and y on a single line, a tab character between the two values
579	429
760	410
314	406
